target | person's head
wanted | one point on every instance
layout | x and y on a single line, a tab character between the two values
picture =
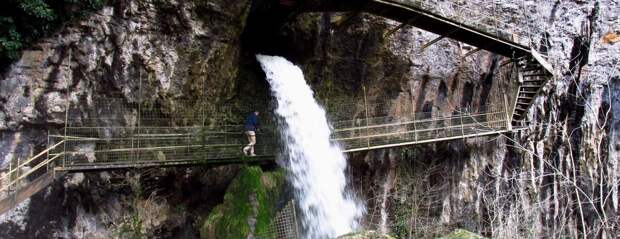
256	112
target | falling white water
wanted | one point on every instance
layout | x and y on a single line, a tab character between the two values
316	165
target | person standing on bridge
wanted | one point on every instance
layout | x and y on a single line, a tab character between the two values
251	126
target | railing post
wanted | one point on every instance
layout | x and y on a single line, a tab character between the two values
366	111
64	143
462	126
495	16
507	114
47	154
132	154
17	171
10	180
189	143
135	145
415	130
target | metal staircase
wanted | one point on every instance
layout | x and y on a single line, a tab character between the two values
532	75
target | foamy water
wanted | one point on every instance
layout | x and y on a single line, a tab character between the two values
316	165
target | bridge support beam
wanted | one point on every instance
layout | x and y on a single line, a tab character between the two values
394	30
426	45
468	54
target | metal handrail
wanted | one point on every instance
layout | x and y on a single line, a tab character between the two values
22	164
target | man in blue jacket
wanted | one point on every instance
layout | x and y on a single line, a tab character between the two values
251	126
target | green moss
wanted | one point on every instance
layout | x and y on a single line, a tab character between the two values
251	192
462	234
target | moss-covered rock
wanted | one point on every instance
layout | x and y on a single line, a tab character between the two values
365	235
249	204
462	234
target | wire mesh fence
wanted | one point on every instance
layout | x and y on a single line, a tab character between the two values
417	127
113	133
130	134
284	225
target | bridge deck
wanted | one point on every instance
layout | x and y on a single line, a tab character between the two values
489	34
112	147
479	26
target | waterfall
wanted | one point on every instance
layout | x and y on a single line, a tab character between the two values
316	165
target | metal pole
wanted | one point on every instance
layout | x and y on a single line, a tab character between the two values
10	181
140	102
189	142
17	171
508	123
415	133
133	132
462	127
529	29
47	154
64	144
366	110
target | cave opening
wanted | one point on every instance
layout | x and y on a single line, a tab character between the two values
265	33
263	30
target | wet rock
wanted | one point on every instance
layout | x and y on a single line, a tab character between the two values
365	235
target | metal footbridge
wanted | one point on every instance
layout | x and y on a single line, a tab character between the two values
108	134
91	143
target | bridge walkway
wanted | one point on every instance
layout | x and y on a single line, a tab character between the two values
96	144
482	26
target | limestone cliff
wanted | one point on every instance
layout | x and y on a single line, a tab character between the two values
527	184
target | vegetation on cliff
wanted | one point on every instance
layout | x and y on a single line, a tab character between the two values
24	21
249	204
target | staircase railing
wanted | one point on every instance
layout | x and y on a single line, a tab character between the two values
519	29
12	178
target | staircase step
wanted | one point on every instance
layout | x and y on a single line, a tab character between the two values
535	75
520	108
534	68
536	83
525	98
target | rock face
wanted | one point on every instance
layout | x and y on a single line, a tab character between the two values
528	184
516	185
137	52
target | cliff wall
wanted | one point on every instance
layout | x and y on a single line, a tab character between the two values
560	177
